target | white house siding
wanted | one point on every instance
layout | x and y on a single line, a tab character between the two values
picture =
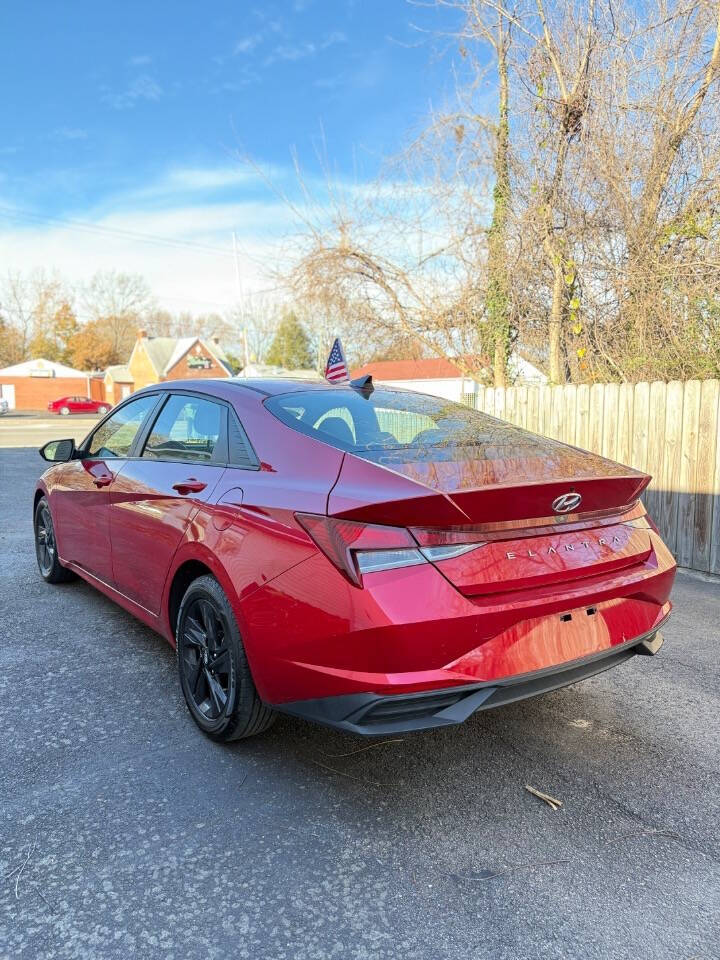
451	389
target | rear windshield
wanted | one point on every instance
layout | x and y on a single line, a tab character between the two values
398	425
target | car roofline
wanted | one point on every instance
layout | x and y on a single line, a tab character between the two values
263	387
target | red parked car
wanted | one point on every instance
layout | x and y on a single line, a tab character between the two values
376	560
67	405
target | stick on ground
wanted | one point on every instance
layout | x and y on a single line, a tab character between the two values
550	801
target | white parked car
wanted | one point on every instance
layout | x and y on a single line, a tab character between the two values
4	406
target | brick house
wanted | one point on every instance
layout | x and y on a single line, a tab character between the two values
441	377
33	384
155	359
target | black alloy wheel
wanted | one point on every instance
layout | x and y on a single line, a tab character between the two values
214	672
46	552
206	659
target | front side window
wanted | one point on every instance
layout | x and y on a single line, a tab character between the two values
188	428
116	435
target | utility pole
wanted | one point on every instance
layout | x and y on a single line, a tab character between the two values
240	299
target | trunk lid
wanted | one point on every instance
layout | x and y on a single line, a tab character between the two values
509	507
508	485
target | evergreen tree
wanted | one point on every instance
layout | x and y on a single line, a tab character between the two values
291	345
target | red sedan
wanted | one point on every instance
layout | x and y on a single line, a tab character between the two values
67	405
375	560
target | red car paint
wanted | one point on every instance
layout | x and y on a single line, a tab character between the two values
78	405
542	591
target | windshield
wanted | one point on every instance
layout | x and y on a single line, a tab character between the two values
396	425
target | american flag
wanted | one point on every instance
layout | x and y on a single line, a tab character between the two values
336	370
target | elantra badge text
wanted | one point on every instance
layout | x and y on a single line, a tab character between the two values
566	547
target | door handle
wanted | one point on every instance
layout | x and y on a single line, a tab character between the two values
189	486
103	481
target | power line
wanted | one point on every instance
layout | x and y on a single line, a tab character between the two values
13	213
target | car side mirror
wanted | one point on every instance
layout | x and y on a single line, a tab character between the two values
58	451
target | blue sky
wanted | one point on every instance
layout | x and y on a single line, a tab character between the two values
130	117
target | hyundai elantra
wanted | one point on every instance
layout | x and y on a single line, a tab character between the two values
369	558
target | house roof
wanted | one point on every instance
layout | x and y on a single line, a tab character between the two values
182	345
431	368
28	367
120	373
159	351
165	352
440	368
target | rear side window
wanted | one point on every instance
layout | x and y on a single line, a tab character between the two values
115	436
397	425
188	428
241	453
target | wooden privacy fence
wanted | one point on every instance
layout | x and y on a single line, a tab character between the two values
669	430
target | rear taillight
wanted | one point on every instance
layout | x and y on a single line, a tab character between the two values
358	548
449	551
371	561
467	537
438	543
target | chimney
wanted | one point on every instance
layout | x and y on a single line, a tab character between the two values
141	334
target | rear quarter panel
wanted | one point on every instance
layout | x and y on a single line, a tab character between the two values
247	535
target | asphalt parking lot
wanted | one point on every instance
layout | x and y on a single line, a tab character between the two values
125	833
32	429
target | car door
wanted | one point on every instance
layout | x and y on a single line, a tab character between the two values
82	491
182	460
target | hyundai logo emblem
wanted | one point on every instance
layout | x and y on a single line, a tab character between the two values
566	502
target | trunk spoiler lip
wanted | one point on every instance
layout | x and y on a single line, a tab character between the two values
542	526
351	501
624	473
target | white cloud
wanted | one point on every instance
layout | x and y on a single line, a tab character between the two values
248	44
177	231
291	51
178	185
197	277
69	133
300	51
181	244
337	36
143	87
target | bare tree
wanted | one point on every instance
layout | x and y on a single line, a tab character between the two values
655	155
553	63
490	27
452	293
37	309
253	322
118	302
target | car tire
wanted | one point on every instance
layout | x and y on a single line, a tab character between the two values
214	672
51	570
103	410
64	411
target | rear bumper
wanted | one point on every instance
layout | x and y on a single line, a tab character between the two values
370	714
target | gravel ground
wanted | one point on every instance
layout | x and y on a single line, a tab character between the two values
125	833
